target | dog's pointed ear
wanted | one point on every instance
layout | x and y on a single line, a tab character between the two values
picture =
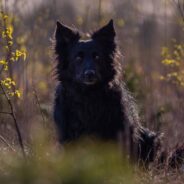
107	32
65	34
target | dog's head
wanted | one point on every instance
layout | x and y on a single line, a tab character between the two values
85	62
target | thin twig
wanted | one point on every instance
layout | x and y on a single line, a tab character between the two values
180	9
15	121
8	113
38	102
6	142
179	6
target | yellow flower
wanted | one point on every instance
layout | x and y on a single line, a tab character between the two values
19	53
165	52
3	62
10	43
6	68
170	62
8	82
17	93
9	31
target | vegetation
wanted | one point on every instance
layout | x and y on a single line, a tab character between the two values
151	39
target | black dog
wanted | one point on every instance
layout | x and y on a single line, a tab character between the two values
91	99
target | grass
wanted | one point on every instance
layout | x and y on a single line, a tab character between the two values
85	162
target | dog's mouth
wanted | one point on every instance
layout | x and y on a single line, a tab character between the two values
90	82
89	77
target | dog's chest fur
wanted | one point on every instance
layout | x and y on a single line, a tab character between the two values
97	113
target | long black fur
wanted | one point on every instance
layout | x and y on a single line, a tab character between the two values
105	110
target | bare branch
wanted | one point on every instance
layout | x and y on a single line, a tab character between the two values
15	120
8	60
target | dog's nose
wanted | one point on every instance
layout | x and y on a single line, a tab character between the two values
89	74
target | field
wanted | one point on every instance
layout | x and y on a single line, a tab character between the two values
150	35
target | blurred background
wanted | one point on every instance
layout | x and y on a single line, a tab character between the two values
149	35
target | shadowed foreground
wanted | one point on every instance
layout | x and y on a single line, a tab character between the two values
83	163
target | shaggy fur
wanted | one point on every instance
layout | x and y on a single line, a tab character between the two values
91	98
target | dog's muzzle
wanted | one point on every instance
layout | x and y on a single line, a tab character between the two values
90	77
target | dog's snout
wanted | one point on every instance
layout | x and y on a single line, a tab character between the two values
89	74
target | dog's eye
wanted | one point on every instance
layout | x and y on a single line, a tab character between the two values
96	56
79	56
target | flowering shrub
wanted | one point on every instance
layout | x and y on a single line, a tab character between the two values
173	60
9	55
